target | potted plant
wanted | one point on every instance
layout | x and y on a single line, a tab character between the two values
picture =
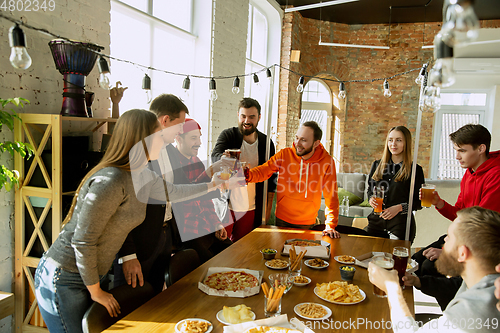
10	177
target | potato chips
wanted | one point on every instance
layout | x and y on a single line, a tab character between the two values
339	291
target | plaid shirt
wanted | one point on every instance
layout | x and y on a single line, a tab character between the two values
199	215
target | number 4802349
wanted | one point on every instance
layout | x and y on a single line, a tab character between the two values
27	5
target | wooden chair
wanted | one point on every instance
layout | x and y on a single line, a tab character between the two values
181	264
97	318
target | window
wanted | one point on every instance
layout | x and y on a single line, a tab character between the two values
457	109
317	106
146	33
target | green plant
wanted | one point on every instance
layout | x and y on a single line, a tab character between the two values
10	177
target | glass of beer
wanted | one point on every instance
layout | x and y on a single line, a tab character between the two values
427	194
225	174
378	194
384	262
400	255
234	153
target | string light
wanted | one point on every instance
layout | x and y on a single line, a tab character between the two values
104	73
19	57
213	90
442	74
460	23
146	85
300	86
387	91
342	90
236	86
421	75
269	74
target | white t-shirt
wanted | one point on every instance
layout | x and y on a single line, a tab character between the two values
242	199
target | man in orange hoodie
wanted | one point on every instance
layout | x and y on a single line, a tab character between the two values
305	172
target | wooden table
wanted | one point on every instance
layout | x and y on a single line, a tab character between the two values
184	300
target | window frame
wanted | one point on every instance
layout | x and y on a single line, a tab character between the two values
483	111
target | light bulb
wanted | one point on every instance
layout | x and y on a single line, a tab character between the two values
460	23
213	95
387	91
149	96
421	75
442	75
104	81
19	57
269	74
104	73
236	86
300	86
432	98
342	90
213	90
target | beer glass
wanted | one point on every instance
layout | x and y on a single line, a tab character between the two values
378	194
386	263
400	255
225	174
234	153
427	194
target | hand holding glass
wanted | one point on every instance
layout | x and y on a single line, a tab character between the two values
385	262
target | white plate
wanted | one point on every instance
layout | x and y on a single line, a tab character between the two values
198	319
302	284
220	317
341	303
328	311
344	262
287	264
314	267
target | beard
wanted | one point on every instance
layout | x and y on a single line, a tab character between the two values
305	152
447	264
247	131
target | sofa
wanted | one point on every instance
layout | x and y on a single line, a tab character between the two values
355	186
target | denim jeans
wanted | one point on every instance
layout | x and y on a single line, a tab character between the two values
62	297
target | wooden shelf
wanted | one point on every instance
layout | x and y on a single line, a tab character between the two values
49	126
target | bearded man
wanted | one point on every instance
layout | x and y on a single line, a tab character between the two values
471	250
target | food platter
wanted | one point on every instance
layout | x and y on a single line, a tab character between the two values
307	263
220	317
327	309
339	260
303	283
341	303
269	264
179	324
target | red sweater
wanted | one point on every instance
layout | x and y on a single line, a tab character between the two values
480	188
301	184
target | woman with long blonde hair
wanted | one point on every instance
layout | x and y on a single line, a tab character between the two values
393	173
109	203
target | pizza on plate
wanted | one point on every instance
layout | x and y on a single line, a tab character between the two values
302	243
231	281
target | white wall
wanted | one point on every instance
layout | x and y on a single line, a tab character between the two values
42	84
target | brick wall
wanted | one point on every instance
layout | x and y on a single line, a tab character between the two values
42	84
368	114
228	58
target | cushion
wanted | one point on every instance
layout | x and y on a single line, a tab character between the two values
365	203
353	198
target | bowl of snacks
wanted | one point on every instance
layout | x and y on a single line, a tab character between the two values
281	279
301	281
347	273
268	254
316	263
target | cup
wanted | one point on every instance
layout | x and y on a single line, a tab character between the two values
295	268
347	273
386	263
427	194
400	255
378	194
225	174
284	279
234	153
272	307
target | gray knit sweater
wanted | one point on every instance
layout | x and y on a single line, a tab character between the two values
107	209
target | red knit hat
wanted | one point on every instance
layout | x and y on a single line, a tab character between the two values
190	125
